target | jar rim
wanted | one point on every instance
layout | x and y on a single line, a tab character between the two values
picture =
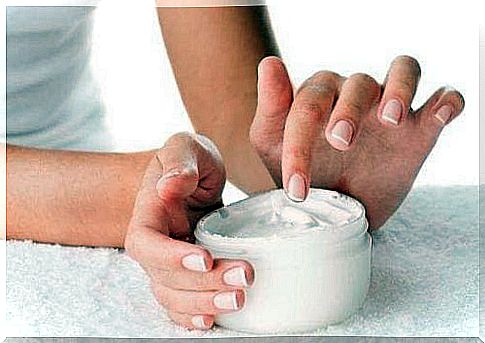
206	237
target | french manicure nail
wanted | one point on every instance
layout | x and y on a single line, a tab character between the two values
296	188
392	111
443	114
198	322
194	262
235	277
165	177
343	131
226	301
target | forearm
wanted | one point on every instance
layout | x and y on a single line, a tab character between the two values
214	54
73	198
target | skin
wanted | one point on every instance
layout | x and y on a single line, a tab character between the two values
46	179
218	84
183	182
92	194
295	132
118	199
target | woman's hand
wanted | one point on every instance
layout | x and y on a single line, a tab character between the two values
183	182
351	134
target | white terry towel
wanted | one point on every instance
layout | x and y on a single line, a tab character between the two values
424	281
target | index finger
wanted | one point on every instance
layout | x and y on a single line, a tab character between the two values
313	103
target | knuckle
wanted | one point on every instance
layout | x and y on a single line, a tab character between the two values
324	75
352	108
299	153
321	81
309	109
410	62
363	79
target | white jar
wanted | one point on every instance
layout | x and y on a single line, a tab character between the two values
311	259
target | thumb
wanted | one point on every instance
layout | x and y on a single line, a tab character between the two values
192	167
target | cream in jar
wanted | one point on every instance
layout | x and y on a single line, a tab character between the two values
311	259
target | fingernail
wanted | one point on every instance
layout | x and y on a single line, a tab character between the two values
296	188
165	177
199	322
443	114
392	111
343	131
195	263
236	277
226	301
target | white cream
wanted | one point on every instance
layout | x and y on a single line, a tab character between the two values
311	259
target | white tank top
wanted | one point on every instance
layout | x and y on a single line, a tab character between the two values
53	100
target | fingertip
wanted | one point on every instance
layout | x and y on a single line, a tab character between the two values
209	260
268	61
240	298
450	105
458	101
272	70
410	62
191	321
249	272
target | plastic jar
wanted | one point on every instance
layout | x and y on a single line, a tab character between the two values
311	259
